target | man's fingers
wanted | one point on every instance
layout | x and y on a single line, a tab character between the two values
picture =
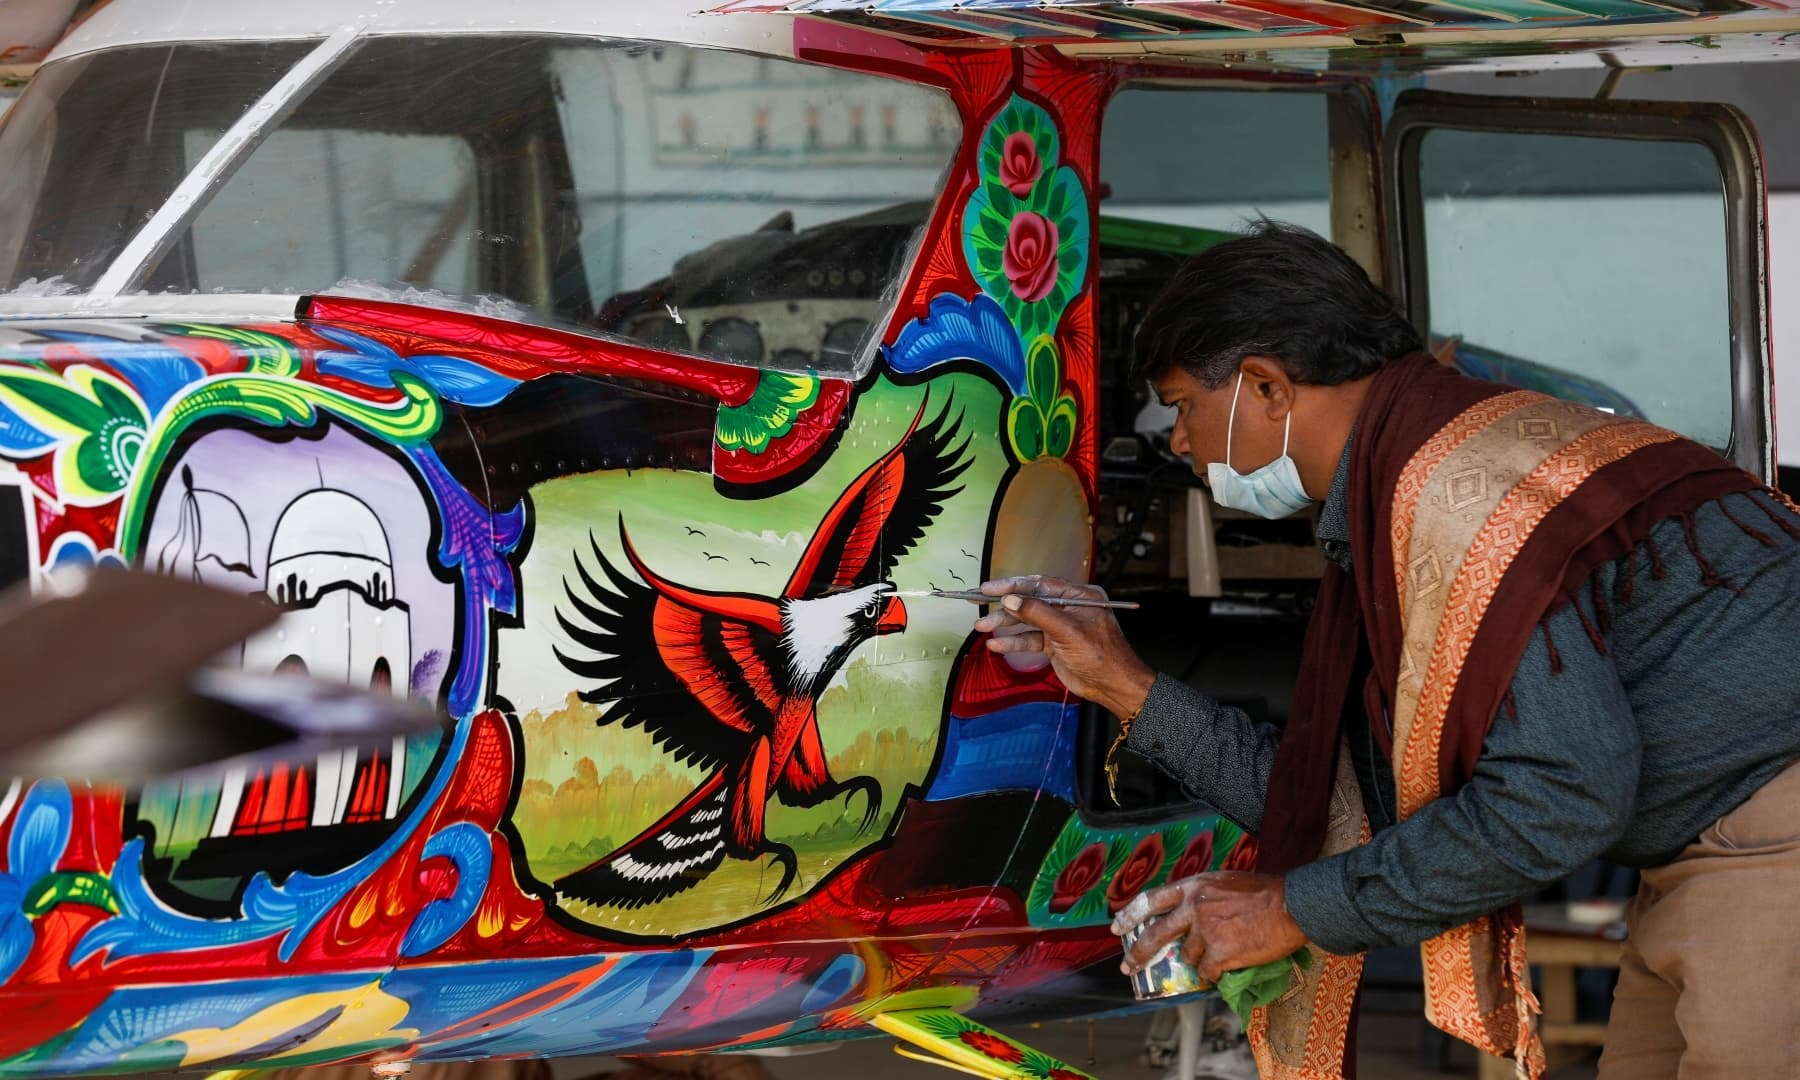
1156	935
1193	950
996	619
1027	584
1146	905
1039	614
1029	641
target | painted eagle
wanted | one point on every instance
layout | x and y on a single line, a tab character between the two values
730	682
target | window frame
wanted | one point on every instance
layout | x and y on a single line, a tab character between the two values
1723	130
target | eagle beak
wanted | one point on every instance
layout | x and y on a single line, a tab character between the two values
893	617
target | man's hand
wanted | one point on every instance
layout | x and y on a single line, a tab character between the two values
1231	919
1084	644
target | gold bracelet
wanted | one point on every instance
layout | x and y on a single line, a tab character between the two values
1112	753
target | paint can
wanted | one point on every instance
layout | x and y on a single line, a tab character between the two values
1167	975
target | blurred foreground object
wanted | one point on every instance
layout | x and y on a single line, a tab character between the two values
105	683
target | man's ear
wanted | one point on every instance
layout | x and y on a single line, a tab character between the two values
1268	382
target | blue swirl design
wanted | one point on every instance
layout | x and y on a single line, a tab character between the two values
476	543
957	329
467	847
19	437
614	1016
441	996
157	372
39	835
371	363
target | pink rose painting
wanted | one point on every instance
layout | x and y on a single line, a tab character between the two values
1083	873
1020	165
1140	866
1196	859
1242	857
1029	260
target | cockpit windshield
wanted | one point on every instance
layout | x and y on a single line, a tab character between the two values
744	207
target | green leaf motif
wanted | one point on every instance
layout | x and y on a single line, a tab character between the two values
1226	837
1043	371
1075	838
98	423
1025	429
1059	434
778	401
999	199
265	354
1118	849
104	460
943	1023
1044	420
1175	839
53	403
69	887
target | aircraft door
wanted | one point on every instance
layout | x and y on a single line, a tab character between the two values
1608	252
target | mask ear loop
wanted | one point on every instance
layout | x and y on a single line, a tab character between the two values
1231	419
1286	431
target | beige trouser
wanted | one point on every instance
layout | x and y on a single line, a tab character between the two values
1709	984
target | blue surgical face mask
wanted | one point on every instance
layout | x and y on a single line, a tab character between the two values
1273	491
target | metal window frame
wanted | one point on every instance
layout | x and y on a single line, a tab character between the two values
1722	129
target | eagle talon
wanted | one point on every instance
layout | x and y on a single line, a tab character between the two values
871	790
790	868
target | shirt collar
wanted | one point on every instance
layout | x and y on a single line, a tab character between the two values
1333	530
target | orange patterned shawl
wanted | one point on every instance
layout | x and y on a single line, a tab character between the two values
1474	512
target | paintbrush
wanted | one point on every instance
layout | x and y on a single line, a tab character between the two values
979	597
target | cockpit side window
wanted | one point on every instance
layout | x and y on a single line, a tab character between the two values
99	141
749	209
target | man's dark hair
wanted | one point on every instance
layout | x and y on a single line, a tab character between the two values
1279	291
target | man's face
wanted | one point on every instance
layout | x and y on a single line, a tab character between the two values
1203	418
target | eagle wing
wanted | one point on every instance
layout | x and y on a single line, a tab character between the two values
886	510
699	671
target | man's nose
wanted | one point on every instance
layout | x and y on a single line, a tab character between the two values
1178	440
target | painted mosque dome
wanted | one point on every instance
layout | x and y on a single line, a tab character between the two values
329	522
326	539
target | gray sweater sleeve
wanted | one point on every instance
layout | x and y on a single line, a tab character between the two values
1554	788
1217	752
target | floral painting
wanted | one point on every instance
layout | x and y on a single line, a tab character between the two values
1091	872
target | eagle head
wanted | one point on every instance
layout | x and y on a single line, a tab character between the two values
819	634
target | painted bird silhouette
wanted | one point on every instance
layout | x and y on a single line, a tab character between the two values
730	682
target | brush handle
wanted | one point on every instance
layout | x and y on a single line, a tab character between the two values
1077	601
978	597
